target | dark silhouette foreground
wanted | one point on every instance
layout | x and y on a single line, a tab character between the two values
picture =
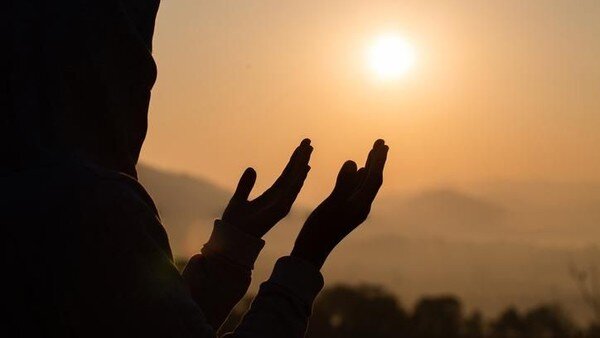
85	253
369	311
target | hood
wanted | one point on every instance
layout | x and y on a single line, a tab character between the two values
79	80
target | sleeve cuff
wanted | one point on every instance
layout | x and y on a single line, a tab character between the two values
299	276
232	244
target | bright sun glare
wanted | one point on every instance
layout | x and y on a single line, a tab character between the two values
390	56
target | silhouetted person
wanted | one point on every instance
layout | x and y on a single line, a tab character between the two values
85	254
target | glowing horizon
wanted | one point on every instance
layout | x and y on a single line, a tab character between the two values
481	102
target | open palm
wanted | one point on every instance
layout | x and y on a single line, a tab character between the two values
345	209
258	216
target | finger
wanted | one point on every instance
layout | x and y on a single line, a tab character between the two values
374	176
378	143
245	185
369	163
292	193
345	180
379	160
297	184
298	160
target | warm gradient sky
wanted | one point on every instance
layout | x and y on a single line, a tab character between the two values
502	89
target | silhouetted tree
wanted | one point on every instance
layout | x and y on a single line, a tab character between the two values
439	317
593	332
371	312
364	311
588	283
548	321
508	325
474	326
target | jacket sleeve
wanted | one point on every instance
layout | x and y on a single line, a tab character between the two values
284	302
220	275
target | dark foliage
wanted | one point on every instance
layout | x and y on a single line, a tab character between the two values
370	311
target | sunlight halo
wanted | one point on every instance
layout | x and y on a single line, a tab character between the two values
390	57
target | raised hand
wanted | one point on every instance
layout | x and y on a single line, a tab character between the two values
346	208
258	216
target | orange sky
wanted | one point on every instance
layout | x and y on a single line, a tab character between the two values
505	89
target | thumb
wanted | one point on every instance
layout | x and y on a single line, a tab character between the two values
345	180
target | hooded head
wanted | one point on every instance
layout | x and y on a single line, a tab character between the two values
80	77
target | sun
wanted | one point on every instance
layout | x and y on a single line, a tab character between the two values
390	56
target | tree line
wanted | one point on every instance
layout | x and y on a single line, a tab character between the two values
372	312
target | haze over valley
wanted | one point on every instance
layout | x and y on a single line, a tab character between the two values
493	245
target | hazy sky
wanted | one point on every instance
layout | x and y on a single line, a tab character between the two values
506	89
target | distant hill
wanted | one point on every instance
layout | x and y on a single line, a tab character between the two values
551	212
442	213
543	214
562	214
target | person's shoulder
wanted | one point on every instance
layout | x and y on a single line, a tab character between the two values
108	185
117	201
69	201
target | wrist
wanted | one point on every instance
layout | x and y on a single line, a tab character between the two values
229	242
249	229
314	257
